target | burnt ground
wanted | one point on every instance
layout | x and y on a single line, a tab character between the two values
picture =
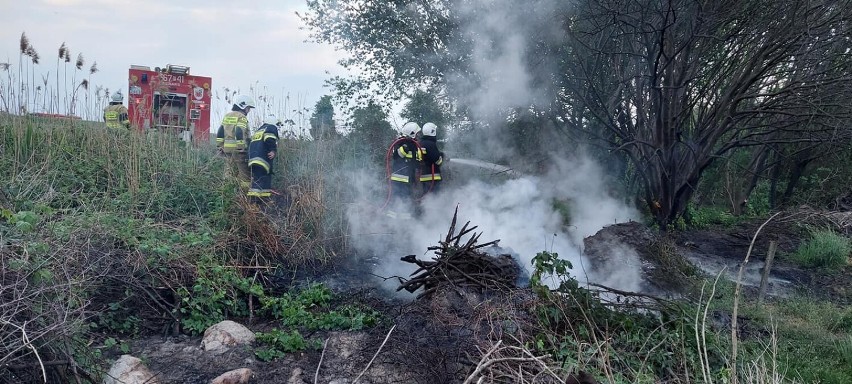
428	340
712	249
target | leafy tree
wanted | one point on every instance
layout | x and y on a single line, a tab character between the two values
667	88
322	120
423	107
692	83
371	132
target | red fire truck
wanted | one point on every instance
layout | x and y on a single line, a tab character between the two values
170	100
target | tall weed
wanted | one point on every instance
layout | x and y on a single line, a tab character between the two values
825	249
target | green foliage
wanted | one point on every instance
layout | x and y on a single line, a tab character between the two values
532	134
709	216
218	293
828	178
578	328
371	133
825	249
322	120
309	310
24	221
278	342
111	342
548	264
563	209
97	224
423	107
844	349
119	319
808	335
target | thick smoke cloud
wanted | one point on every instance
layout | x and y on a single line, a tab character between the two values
519	211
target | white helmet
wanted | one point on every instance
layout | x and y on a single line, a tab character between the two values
243	102
272	120
430	129
117	97
410	129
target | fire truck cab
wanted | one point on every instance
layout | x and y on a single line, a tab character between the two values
170	100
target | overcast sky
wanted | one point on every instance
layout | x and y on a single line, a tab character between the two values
237	43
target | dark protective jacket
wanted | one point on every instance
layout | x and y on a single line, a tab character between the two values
263	141
406	154
232	135
432	158
115	116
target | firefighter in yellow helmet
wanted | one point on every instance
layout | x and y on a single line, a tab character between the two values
115	114
262	152
232	138
432	158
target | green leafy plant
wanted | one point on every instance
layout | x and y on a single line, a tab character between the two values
309	309
548	264
277	343
24	221
117	318
219	292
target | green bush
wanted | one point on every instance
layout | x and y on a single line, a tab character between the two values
708	216
825	249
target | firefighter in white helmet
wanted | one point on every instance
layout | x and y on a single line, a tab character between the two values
431	159
115	114
232	138
263	150
405	153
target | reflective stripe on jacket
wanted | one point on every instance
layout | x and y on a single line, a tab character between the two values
432	158
233	132
115	116
263	141
405	156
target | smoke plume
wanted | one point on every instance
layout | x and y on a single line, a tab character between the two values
522	212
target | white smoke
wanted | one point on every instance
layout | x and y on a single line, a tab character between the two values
497	36
520	212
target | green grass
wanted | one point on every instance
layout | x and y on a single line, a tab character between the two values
120	233
812	336
825	249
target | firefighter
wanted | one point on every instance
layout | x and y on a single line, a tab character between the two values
115	114
405	154
431	159
261	155
232	138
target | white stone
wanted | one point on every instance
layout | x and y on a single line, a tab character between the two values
237	376
129	370
221	336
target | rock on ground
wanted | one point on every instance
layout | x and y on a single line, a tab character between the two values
129	370
220	336
237	376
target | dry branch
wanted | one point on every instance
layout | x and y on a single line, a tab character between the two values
460	263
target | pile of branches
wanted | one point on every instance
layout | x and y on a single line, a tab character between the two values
43	305
840	221
461	264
